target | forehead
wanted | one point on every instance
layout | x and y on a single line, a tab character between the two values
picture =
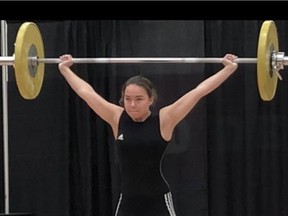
135	90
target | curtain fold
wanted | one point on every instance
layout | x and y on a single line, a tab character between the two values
246	136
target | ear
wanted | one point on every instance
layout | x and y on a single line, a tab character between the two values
151	99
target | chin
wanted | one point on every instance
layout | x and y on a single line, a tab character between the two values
134	115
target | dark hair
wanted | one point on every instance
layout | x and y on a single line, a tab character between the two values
142	82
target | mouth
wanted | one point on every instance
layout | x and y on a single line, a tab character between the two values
132	110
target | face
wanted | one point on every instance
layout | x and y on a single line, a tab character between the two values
137	102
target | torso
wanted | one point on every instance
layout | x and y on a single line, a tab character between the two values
141	149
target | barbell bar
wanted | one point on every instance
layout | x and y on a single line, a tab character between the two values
143	60
28	60
34	60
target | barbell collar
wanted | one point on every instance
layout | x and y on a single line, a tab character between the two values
280	59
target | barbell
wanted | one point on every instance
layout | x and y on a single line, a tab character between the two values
28	60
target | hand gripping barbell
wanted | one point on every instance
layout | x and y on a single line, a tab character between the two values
28	60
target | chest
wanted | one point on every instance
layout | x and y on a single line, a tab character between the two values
140	138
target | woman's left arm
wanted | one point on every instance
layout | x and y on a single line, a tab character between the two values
172	114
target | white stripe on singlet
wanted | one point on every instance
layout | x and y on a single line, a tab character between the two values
169	203
118	205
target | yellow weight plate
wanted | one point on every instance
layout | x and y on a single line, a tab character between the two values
28	43
267	44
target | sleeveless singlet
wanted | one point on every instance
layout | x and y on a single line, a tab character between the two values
144	190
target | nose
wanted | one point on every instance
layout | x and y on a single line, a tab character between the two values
132	103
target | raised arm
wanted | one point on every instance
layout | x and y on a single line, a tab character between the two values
106	110
172	114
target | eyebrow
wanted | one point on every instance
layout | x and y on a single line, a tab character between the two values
137	96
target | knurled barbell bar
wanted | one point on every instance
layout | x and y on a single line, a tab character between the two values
28	60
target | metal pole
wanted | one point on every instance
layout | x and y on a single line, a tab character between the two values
4	52
144	60
6	60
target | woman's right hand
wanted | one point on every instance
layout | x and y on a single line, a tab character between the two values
66	61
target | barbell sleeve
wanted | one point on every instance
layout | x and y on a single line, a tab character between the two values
6	60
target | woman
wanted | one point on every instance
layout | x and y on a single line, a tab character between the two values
141	136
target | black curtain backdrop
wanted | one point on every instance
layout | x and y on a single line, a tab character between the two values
228	156
247	141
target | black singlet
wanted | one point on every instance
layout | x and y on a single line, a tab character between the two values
144	190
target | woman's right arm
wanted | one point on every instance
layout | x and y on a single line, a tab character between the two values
109	112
